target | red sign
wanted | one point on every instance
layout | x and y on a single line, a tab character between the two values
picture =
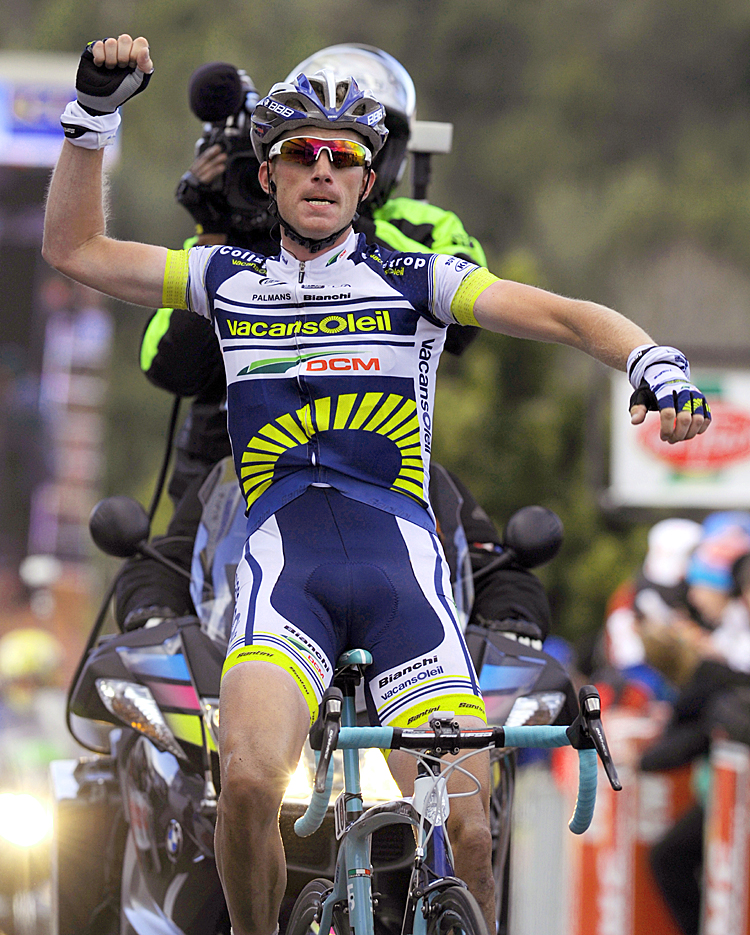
725	443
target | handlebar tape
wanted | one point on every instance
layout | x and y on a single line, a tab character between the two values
586	800
316	810
540	735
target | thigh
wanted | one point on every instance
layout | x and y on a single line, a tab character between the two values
263	726
274	622
421	662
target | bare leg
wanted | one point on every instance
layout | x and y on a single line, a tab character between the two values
468	823
263	725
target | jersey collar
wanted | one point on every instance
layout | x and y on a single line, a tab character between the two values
330	258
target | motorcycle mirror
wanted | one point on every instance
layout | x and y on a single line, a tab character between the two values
534	534
118	526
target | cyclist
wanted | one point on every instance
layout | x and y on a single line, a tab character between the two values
330	350
179	351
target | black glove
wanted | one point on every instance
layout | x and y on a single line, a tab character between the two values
102	90
92	120
515	598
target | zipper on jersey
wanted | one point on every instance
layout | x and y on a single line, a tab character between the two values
304	394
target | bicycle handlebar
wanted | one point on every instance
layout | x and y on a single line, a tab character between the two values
389	738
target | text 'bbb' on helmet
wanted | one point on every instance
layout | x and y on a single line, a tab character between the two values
317	100
391	84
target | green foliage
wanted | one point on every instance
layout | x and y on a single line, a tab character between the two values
587	133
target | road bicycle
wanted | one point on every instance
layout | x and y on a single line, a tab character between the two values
437	901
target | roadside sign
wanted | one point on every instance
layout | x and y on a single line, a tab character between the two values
712	471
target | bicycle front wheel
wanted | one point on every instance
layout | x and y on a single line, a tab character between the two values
305	914
454	911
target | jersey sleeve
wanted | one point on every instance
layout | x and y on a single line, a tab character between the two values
185	280
456	285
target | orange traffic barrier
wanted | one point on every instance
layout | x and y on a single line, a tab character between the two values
612	890
726	861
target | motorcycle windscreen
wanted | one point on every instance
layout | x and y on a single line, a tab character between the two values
505	677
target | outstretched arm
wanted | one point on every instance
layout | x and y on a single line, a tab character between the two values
75	240
527	312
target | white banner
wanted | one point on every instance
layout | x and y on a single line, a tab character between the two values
34	89
712	471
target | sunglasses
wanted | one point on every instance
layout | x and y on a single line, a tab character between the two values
304	150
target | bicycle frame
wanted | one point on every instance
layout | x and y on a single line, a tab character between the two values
353	877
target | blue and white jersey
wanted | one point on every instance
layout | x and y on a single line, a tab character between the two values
330	365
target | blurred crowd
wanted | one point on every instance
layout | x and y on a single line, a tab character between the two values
32	709
676	646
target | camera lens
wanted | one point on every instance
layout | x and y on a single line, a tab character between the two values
243	189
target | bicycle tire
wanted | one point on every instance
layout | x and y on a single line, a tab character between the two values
454	911
306	910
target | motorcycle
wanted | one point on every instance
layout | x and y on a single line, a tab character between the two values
133	849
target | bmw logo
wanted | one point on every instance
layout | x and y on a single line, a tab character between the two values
174	839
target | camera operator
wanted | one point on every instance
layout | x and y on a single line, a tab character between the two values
180	352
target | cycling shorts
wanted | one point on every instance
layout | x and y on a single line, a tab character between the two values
326	573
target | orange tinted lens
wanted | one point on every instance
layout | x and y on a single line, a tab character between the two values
344	154
298	150
347	153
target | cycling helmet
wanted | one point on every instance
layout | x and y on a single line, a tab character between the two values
318	100
392	85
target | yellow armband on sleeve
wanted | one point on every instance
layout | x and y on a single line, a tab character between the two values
174	291
462	306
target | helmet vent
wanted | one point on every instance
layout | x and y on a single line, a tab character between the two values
319	90
341	91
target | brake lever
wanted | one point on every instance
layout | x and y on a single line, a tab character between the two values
587	732
324	733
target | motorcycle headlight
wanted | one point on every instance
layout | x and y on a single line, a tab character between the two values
135	706
301	781
24	820
536	708
376	781
378	785
301	784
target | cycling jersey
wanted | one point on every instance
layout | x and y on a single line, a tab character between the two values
178	355
330	365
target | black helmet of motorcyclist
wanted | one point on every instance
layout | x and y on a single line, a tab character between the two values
392	85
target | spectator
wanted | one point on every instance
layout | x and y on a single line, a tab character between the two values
641	658
718	576
712	590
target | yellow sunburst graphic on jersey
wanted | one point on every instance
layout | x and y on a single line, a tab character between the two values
390	415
